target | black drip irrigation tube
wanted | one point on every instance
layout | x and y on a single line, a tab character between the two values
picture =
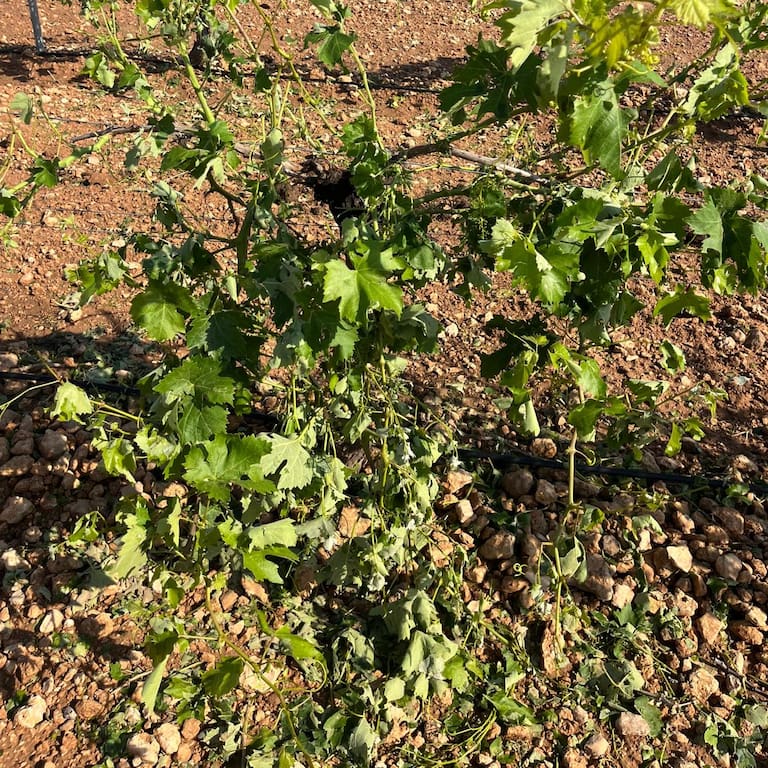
500	460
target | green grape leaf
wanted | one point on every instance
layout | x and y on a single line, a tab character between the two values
651	714
262	568
334	43
362	740
281	532
290	461
199	423
708	221
360	288
584	418
45	172
298	647
698	13
680	302
71	403
672	357
598	127
520	27
10	205
720	88
151	686
118	458
223	677
160	310
132	555
199	378
22	105
216	465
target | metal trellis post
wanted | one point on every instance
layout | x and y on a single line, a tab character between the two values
36	28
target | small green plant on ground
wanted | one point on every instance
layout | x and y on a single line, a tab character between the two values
332	506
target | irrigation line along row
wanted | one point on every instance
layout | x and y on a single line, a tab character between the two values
499	460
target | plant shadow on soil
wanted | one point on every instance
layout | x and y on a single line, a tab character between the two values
90	359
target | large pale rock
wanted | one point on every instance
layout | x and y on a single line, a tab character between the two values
629	724
168	737
709	627
702	684
32	713
730	519
680	557
11	560
145	747
597	745
51	622
457	479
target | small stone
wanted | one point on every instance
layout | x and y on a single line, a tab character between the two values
88	709
255	589
23	445
11	560
597	745
477	573
17	466
728	566
518	483
184	753
757	617
8	361
680	557
709	627
702	684
168	737
546	493
100	626
623	595
629	724
191	728
15	509
746	632
456	480
730	519
51	622
685	605
610	545
544	448
755	339
599	581
33	534
52	444
32	714
144	747
228	600
464	512
499	546
574	759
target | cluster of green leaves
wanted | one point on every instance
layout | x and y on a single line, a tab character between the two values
328	327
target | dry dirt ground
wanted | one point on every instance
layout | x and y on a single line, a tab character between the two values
63	644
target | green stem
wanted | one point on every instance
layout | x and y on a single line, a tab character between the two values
246	658
210	118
